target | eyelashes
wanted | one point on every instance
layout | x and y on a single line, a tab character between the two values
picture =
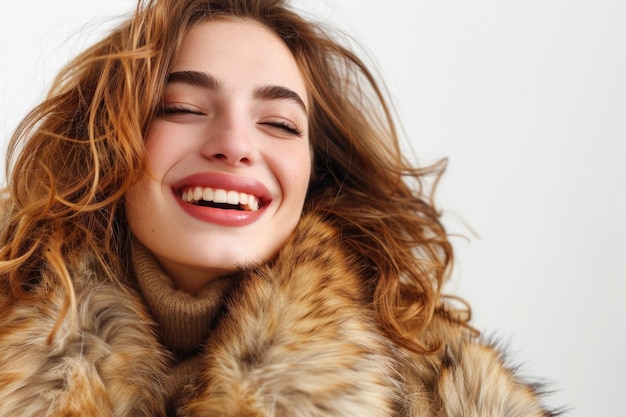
285	126
175	109
181	111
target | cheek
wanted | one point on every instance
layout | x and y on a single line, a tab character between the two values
165	146
156	147
140	198
297	173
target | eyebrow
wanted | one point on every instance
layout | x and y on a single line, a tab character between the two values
277	92
195	78
267	92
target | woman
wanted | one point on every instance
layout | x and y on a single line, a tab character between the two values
210	215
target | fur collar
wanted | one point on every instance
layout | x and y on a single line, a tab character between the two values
298	338
105	361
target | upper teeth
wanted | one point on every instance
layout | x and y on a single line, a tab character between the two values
218	195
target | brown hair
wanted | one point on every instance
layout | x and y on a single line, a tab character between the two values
75	155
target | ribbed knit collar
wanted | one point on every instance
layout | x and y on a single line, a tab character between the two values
184	320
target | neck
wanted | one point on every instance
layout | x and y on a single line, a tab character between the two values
183	319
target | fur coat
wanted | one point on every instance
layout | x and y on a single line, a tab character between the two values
297	337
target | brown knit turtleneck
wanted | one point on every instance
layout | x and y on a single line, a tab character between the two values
183	320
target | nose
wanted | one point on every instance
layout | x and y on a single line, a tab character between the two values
230	141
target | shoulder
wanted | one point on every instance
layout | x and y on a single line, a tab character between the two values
471	376
102	358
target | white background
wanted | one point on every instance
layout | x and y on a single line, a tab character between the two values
527	99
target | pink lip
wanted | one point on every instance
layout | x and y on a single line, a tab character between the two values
226	182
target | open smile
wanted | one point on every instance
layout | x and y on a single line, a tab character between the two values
220	198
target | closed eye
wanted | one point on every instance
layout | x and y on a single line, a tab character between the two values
176	109
284	126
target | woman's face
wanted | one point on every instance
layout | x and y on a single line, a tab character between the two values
229	155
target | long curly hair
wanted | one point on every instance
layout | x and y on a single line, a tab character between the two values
73	157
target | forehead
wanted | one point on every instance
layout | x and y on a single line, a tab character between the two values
238	52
